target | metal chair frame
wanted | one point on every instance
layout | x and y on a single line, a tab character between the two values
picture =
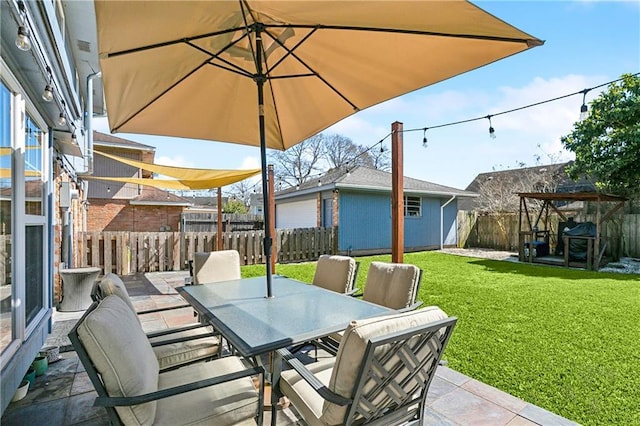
385	371
109	403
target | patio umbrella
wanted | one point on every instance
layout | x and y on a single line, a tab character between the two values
272	73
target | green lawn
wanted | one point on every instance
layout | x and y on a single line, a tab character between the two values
565	340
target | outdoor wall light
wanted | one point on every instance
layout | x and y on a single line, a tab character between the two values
492	131
23	42
424	137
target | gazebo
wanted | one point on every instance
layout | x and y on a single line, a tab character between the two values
534	227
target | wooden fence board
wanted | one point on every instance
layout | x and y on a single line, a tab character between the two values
126	252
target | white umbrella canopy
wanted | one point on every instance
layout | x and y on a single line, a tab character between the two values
272	73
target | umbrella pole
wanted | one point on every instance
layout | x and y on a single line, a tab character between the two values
260	79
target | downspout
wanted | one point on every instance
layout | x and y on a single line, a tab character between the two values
442	221
88	124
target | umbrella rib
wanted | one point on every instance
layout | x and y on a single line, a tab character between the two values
132	116
528	41
212	56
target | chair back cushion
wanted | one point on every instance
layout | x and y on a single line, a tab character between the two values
215	266
352	349
122	355
336	273
112	285
394	285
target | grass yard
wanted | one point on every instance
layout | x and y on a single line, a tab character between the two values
565	340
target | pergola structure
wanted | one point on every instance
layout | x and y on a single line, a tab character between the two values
533	225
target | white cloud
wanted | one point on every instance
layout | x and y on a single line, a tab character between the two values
250	163
178	161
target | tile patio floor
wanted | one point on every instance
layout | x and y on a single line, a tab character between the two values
64	395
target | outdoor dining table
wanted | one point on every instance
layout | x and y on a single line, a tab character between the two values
254	324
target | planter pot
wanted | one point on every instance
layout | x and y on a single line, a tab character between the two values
30	376
21	392
40	365
52	353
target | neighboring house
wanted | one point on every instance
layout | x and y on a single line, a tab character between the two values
115	206
358	202
498	189
44	149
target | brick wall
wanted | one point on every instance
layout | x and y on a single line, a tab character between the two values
119	215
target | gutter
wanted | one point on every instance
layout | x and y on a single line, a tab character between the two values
442	220
88	125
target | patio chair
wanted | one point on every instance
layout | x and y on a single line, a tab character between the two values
336	273
215	266
393	285
381	374
173	347
126	376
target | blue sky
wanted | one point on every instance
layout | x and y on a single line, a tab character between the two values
587	43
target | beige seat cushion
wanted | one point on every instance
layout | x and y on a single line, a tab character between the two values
216	266
394	285
224	404
172	354
306	400
335	273
352	348
115	342
185	352
111	284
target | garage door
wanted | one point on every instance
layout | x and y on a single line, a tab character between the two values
297	214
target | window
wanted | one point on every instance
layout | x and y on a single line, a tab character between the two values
6	192
412	206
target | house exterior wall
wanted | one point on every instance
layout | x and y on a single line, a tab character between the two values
365	223
104	166
119	215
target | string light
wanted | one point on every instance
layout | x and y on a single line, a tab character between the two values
492	131
62	120
47	93
23	40
424	137
584	109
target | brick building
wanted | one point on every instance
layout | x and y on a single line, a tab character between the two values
117	206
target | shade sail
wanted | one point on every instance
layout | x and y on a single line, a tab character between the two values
185	68
186	178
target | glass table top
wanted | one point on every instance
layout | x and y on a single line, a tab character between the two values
296	313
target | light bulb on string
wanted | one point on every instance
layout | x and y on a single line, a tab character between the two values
424	137
47	93
23	42
584	109
62	120
492	131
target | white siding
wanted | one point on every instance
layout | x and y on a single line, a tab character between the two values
297	214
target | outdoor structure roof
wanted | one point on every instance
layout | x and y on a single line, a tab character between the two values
116	142
365	178
151	196
571	196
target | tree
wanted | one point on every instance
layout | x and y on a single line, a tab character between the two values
340	151
235	206
607	142
297	163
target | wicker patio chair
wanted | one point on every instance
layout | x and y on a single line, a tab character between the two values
381	374
126	376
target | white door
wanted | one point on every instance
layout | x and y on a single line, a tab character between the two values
296	214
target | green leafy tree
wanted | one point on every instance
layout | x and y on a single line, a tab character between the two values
607	142
235	206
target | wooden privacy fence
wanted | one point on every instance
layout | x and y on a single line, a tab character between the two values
500	232
128	252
